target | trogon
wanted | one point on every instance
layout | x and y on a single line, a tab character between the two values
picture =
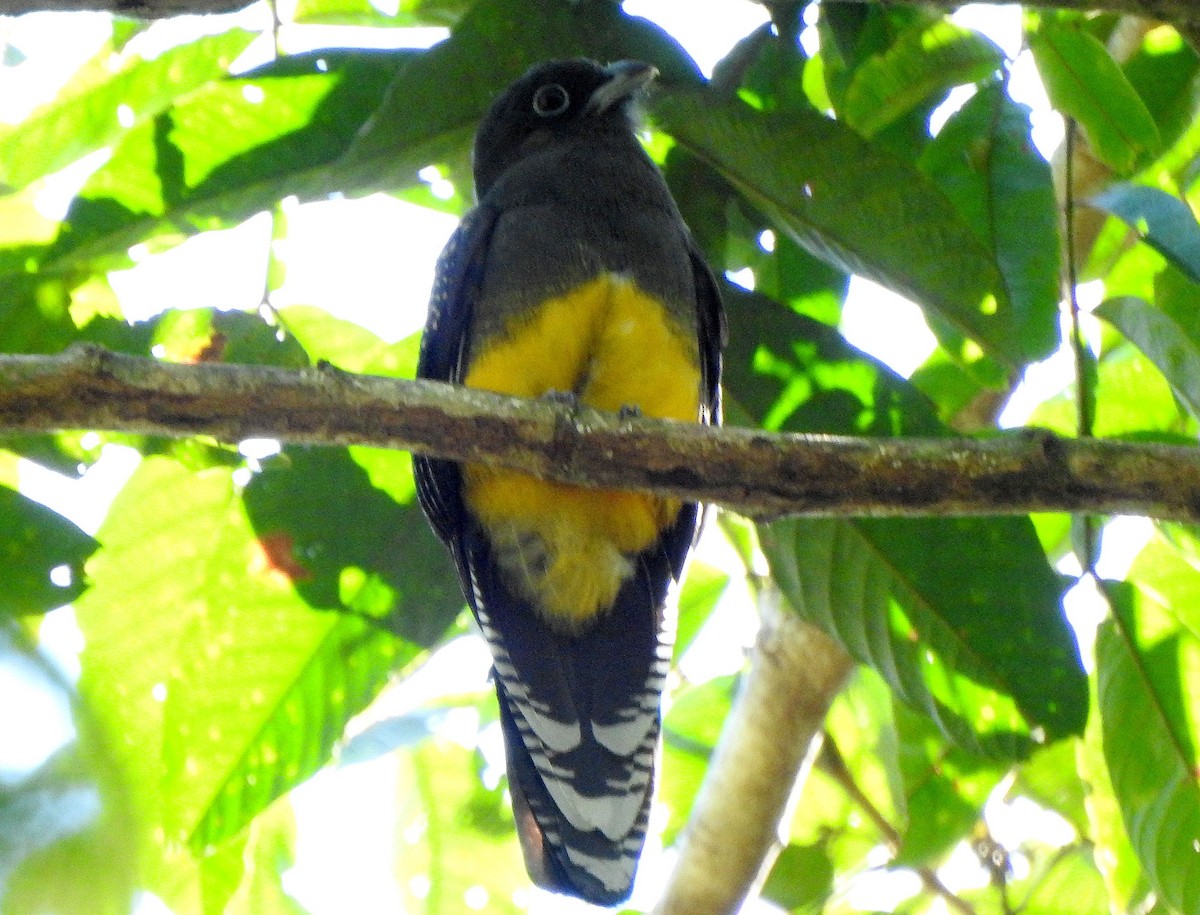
573	277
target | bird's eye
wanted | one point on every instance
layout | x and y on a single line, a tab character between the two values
550	99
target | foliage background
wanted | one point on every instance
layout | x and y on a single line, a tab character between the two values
240	607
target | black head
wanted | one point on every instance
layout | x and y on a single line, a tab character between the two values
554	99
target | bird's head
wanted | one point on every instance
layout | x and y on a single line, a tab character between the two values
551	100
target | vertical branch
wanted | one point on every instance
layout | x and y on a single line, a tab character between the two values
1084	368
768	741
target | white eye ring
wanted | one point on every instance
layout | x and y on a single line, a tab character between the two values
551	99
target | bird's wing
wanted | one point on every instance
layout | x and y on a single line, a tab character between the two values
713	332
444	345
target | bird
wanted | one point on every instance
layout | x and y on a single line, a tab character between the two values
573	277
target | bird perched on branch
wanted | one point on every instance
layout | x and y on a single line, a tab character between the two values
574	277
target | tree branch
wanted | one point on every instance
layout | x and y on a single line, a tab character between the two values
759	473
732	834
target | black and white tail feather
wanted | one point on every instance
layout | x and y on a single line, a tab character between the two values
580	715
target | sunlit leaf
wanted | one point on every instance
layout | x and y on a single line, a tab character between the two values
1072	886
70	127
67	837
1162	71
1051	778
456	845
801	879
690	731
1148	660
147	587
944	788
410	13
862	729
925	61
1132	398
702	589
268	855
226	152
1085	83
1114	856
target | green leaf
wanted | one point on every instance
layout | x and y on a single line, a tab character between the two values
1072	886
861	726
1163	70
1132	398
986	163
255	714
925	61
853	205
801	879
453	835
348	547
702	589
1051	779
434	104
1148	659
944	789
34	316
348	346
1160	337
257	684
250	714
71	127
1085	83
1114	855
269	853
1161	220
147	586
34	542
695	718
691	728
973	637
66	837
410	13
227	151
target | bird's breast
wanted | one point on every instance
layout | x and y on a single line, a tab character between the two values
566	548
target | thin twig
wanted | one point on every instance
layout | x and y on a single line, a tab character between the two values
832	763
1084	362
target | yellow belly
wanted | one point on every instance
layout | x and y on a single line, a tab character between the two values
565	548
